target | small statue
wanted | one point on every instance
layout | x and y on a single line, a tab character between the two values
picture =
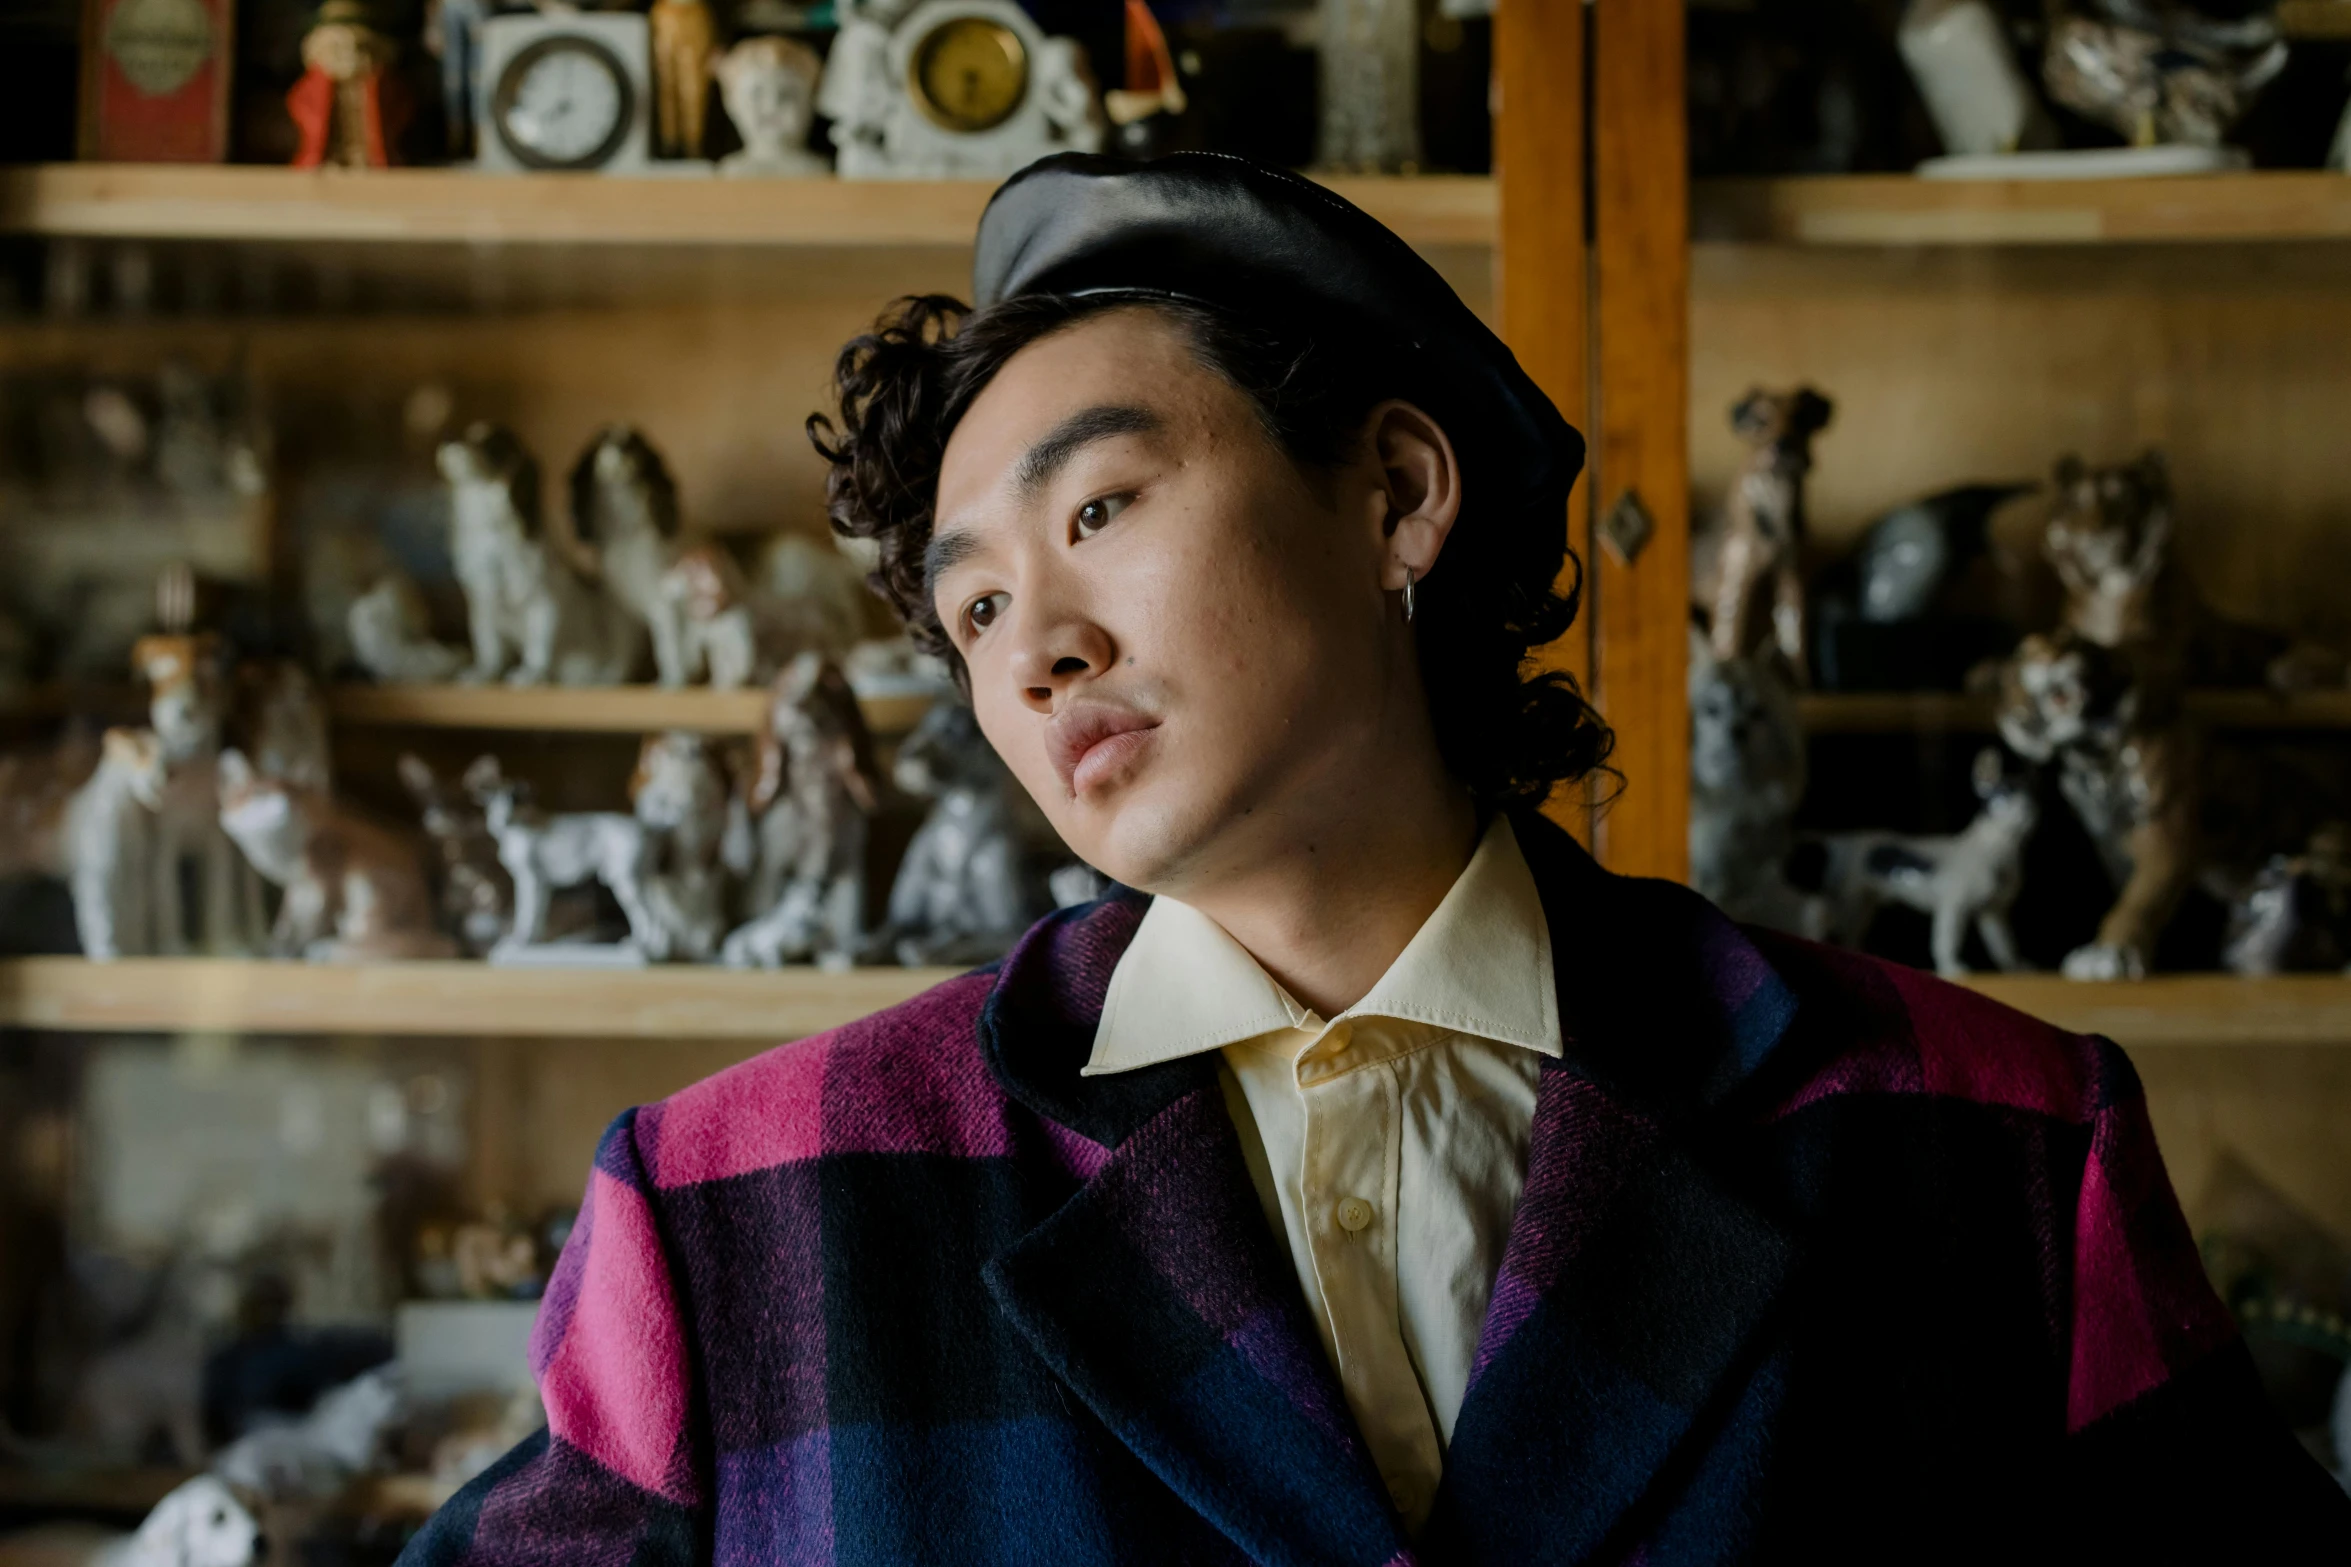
546	853
1877	620
476	896
624	506
109	841
963	892
2181	83
813	792
354	891
349	108
1370	86
685	38
201	1523
871	78
1966	69
1966	879
680	794
187	677
2296	916
497	1258
533	617
453	35
279	720
721	637
1761	544
391	639
1747	776
768	85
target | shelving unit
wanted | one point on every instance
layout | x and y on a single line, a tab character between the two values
584	710
1901	209
1895	712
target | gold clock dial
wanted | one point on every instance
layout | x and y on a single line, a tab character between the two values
969	74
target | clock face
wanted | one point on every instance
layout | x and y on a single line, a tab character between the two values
563	103
969	74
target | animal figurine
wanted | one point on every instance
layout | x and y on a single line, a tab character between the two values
2109	538
814	592
475	894
813	791
2296	915
201	1523
545	853
1875	620
353	891
391	640
37	788
1747	776
314	1459
350	105
188	684
1970	878
1760	551
2161	84
279	721
110	848
680	794
2128	766
768	85
533	618
624	506
963	892
719	624
685	40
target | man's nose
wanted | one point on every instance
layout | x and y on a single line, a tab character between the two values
1063	652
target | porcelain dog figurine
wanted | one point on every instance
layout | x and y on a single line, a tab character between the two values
354	891
110	848
680	794
390	638
814	790
532	616
962	893
476	895
188	682
1970	878
624	507
545	853
1760	552
2296	916
1747	776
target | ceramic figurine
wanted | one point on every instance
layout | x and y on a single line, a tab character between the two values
720	632
813	792
453	35
2128	768
391	640
816	593
1909	556
110	848
685	39
1141	111
680	794
533	618
188	699
962	893
2181	84
1959	53
2296	916
353	891
1875	613
1370	86
497	1258
200	1523
1747	776
1963	880
280	722
349	108
768	85
624	506
546	853
1759	554
476	895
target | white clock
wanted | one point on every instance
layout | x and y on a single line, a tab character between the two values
565	92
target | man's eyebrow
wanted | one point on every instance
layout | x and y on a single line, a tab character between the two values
1041	462
947	551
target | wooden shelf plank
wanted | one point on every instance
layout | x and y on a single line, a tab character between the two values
1900	209
451	206
186	995
583	709
2186	1009
1895	712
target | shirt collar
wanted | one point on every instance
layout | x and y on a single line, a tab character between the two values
1480	965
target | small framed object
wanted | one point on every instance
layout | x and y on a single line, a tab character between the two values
968	74
565	92
955	89
155	80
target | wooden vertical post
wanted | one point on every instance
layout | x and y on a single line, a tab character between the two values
1641	258
1543	280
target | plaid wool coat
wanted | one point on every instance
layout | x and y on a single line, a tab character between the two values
1818	1258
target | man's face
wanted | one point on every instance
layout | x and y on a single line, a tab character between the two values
1177	641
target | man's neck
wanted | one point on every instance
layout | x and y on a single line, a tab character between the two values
1332	905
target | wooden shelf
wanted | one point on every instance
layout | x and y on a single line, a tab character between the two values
220	995
584	709
2186	1009
1900	209
450	206
1898	712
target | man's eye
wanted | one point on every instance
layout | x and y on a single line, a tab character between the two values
983	612
1096	514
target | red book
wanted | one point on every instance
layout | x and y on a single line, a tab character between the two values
155	80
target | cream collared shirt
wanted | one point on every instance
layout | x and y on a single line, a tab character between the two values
1388	1144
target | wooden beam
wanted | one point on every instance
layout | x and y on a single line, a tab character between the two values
1641	239
1541	263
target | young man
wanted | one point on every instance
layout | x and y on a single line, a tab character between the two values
1381	1181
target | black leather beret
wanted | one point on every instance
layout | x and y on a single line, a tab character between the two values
1270	245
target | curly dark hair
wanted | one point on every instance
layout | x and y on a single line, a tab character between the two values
1493	597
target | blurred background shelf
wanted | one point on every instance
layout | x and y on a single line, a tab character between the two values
664	1002
1901	209
638	709
2186	1009
1894	712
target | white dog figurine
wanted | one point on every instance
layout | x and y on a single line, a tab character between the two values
1968	878
963	893
544	853
624	506
202	1524
680	794
110	844
390	638
187	677
815	788
533	617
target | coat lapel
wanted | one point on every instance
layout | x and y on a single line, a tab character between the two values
1155	1292
1639	1268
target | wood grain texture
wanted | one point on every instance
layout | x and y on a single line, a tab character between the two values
1542	263
1899	209
583	709
1642	260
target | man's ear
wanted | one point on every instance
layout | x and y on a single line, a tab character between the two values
1421	478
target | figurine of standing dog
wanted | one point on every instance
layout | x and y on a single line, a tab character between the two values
353	891
814	790
1759	554
624	507
963	893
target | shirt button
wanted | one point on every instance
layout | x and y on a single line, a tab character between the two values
1354	1214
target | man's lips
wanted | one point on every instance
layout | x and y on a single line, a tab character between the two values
1091	741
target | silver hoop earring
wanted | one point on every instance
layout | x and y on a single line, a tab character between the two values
1408	595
